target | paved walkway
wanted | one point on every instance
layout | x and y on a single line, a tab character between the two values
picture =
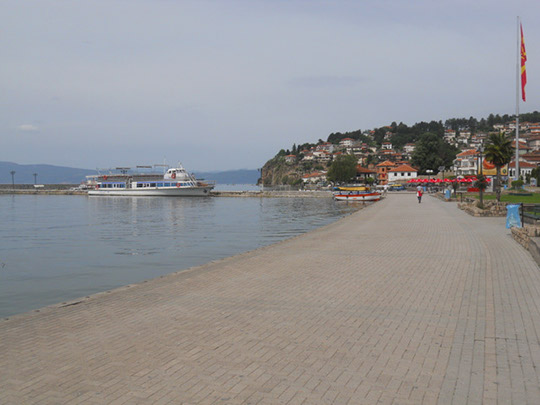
400	303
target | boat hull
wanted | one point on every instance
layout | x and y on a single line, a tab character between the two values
169	192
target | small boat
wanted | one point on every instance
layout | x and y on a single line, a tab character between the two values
122	181
356	193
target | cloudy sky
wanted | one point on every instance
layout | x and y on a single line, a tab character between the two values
222	85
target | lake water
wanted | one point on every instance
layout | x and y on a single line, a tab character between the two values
58	248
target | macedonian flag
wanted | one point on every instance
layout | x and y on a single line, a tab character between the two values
523	60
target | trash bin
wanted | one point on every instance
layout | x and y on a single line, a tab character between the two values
512	216
447	194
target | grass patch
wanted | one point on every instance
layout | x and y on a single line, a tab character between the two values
527	199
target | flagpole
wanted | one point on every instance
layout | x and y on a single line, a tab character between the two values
518	60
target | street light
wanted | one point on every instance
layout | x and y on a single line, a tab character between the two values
12	178
481	174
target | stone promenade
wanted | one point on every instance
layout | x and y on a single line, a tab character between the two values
399	303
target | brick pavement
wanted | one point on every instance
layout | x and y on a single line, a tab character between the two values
399	303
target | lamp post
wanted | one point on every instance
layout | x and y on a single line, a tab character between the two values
481	174
12	179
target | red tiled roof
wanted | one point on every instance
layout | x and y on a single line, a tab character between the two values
360	169
403	168
523	165
469	152
386	163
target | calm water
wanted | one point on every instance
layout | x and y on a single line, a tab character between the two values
57	248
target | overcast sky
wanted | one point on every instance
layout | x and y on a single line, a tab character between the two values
222	85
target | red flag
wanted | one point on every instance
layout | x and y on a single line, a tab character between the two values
523	60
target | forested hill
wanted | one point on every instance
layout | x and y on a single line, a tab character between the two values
49	174
46	174
435	144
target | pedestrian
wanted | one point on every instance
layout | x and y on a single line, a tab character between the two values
419	192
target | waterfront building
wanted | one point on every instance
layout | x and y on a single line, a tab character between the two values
525	168
382	171
402	173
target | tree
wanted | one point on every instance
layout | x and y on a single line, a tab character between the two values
342	169
431	152
499	152
481	184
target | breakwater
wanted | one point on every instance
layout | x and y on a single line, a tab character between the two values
70	189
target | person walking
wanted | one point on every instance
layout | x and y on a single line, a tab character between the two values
419	192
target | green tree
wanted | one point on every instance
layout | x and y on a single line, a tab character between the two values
481	183
342	169
499	151
431	152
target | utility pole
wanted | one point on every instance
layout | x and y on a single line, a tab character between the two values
481	164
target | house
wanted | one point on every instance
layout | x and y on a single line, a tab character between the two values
466	163
322	155
347	142
535	129
382	171
314	178
290	159
532	157
523	147
363	173
325	146
386	145
525	168
402	173
534	142
449	135
409	148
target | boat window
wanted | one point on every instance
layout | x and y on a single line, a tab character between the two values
152	184
139	185
160	184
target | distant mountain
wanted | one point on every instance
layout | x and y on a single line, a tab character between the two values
244	176
49	174
46	174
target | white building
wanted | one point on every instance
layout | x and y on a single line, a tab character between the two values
466	163
402	173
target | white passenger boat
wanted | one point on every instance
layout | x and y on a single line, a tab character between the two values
356	194
122	181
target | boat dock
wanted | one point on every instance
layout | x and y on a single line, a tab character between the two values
398	303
